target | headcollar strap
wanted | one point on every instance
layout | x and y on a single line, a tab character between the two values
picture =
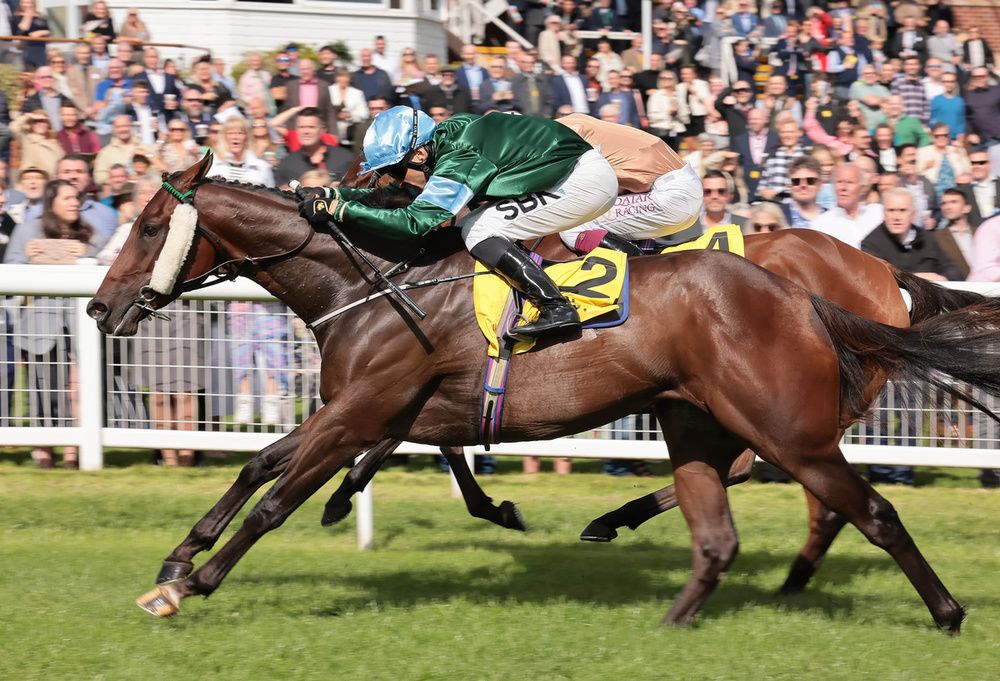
183	198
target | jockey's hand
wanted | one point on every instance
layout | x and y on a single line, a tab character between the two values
318	211
309	193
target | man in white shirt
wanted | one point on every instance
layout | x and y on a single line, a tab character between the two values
381	60
983	189
850	220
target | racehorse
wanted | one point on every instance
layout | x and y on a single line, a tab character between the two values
861	283
722	350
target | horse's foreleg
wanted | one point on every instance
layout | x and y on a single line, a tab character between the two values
339	505
266	466
824	526
321	453
636	512
476	501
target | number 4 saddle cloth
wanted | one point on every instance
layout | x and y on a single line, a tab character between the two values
596	285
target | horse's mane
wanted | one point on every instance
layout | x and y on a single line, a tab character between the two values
274	191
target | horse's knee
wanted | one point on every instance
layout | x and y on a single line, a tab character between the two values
716	554
886	529
264	517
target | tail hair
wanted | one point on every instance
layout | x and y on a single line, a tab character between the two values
930	299
962	346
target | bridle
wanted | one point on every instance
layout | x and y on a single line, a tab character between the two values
229	269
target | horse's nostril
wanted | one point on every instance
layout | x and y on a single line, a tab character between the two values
96	310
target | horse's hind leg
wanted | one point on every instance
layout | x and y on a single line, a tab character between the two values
824	526
702	453
636	512
339	504
264	467
476	501
841	489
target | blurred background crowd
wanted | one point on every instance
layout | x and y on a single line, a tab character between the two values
797	114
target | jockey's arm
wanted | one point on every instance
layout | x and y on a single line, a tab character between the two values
457	179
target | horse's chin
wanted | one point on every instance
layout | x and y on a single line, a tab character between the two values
128	325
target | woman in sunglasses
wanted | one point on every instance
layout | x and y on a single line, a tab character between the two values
767	217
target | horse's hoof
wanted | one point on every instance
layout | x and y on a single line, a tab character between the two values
334	514
511	516
171	572
598	531
163	601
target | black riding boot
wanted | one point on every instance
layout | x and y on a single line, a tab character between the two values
522	273
616	243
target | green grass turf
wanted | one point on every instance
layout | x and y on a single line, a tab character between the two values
445	596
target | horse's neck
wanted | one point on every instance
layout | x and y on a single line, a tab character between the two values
325	275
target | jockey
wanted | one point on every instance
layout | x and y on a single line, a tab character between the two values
536	176
660	193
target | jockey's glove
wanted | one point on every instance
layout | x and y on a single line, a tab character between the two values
317	211
309	193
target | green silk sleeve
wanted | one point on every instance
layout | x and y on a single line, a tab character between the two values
417	219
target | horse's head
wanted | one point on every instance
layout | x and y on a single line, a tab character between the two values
161	251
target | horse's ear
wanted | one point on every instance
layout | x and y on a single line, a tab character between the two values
195	173
203	166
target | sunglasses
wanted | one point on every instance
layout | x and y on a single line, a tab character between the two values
979	163
720	192
940	134
740	90
799	181
173	129
765	226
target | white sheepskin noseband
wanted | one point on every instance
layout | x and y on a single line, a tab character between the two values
180	236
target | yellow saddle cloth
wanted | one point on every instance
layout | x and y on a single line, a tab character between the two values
727	238
595	285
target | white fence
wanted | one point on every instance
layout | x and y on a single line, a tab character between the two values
114	382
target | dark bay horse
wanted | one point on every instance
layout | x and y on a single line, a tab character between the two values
729	357
859	282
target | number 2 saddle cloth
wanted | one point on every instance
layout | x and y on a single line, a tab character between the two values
596	285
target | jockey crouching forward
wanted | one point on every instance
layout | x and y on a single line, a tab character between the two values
537	176
660	194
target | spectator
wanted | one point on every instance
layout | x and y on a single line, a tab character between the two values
126	52
745	21
263	142
604	18
627	113
801	209
437	114
382	60
933	85
905	129
178	150
775	182
219	75
646	81
908	42
313	154
448	94
949	108
705	149
983	188
976	52
747	57
30	23
39	148
75	169
718	196
982	102
375	107
82	77
98	21
667	111
280	82
594	88
432	69
845	62
792	58
870	94
215	96
924	196
911	89
550	43
119	150
134	29
348	104
235	161
942	161
46	97
495	93
111	97
632	57
569	88
60	78
754	147
145	121
849	220
115	192
193	114
469	75
99	55
955	235
734	105
532	92
885	152
767	217
255	83
329	63
373	81
695	93
75	137
777	99
608	60
309	91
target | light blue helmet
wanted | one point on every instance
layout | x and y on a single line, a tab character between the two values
393	134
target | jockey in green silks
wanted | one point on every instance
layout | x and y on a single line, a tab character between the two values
535	177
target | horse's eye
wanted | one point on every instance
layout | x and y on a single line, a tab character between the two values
150	229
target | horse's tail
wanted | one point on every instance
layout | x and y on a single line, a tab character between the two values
958	346
930	300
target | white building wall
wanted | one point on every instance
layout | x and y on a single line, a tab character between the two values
231	28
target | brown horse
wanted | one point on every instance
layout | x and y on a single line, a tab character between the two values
861	283
729	356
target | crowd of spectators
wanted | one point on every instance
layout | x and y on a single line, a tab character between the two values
797	114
